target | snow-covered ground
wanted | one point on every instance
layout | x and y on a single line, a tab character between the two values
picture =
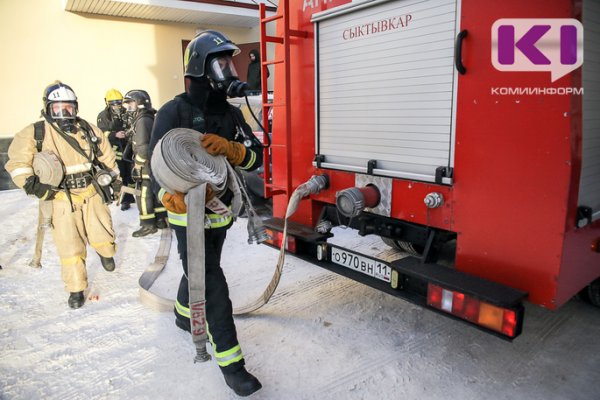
322	336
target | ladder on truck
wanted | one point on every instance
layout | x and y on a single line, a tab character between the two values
285	104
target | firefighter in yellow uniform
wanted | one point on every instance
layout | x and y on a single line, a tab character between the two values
80	213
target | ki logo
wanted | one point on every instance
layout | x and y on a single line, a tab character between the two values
550	44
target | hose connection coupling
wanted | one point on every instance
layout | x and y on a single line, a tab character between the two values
433	200
314	185
256	230
352	201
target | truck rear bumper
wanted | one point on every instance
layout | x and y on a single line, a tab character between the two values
417	282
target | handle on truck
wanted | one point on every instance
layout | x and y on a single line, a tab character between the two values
458	52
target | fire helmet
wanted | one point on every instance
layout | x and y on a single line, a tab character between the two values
113	97
137	100
204	44
58	92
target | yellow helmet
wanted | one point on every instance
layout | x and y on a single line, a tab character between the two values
113	96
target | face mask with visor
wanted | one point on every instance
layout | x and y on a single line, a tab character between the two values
224	77
64	113
116	106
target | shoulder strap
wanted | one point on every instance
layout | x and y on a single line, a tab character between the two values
38	134
91	138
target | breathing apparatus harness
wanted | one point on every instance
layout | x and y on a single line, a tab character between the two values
100	177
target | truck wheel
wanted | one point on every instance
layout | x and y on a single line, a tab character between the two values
406	247
593	293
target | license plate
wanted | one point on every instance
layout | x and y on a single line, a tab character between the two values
359	263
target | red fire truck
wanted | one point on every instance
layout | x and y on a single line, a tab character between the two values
431	137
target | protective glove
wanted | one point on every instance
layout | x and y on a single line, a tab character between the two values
136	174
217	145
41	190
176	202
116	185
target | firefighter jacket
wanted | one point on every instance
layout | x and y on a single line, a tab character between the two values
110	124
23	148
142	129
223	120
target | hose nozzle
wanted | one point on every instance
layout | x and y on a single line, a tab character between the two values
256	230
201	355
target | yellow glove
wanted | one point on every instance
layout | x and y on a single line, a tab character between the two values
174	202
216	145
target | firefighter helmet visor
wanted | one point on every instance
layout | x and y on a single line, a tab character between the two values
221	68
62	110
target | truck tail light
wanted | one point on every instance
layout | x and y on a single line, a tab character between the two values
276	238
502	320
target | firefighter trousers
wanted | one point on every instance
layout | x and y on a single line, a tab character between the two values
150	208
90	222
125	172
219	311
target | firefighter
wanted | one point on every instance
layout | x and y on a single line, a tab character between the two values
80	214
209	77
138	105
111	121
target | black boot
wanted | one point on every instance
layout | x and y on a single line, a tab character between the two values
108	263
242	382
162	224
125	206
145	230
76	299
183	325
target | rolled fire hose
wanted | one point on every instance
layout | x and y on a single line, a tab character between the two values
49	170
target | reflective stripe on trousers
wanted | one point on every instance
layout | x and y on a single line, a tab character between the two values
224	358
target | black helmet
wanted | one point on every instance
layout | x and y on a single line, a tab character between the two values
139	98
204	44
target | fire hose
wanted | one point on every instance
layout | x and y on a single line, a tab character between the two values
180	163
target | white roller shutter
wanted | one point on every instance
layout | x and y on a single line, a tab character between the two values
385	81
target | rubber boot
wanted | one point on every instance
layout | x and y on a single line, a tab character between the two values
144	231
182	322
242	382
182	325
161	224
76	299
108	263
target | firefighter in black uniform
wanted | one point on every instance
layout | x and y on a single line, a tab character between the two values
210	77
110	121
138	105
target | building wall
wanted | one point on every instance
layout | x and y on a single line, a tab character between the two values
41	42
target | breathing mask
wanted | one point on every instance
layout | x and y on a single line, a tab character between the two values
223	76
65	114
